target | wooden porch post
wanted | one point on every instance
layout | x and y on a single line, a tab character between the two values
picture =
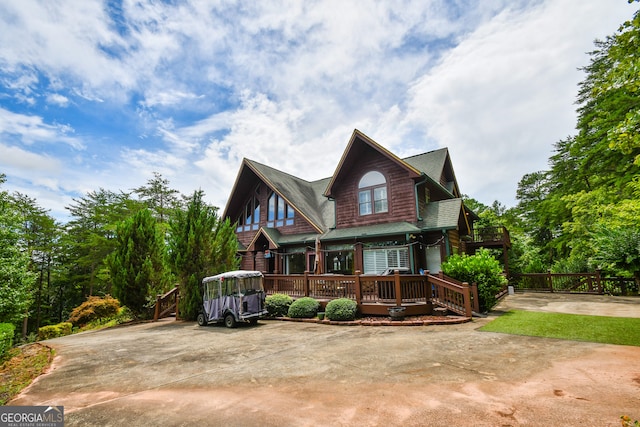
358	289
476	298
467	299
177	301
599	282
156	312
306	283
550	279
396	277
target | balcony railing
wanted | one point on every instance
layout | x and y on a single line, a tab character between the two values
492	236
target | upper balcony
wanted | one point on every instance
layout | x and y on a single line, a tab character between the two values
490	237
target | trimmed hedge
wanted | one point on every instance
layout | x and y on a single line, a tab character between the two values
6	337
341	309
54	331
278	304
305	307
94	308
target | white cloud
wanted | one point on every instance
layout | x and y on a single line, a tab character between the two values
24	163
60	100
506	93
30	129
206	83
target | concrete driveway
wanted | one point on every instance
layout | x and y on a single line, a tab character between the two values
298	374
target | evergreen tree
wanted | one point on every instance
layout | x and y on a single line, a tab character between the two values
16	279
159	197
200	245
92	233
137	264
40	235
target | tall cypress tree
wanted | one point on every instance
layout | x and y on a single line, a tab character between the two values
200	245
137	264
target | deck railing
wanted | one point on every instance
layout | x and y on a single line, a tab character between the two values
166	304
375	293
492	235
446	293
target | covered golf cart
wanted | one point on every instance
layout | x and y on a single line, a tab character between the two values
235	296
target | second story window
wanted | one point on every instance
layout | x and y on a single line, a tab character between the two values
250	217
279	212
372	194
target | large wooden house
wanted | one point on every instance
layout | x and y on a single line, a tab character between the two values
377	212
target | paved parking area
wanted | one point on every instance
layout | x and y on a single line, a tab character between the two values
299	374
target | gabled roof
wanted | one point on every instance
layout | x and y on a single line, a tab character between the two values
303	196
311	199
436	165
271	234
350	156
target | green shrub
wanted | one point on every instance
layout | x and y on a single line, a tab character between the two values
54	331
94	308
278	304
305	307
481	268
6	337
341	309
124	315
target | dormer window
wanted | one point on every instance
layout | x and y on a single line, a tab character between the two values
372	194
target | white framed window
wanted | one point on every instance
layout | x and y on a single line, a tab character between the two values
378	260
372	194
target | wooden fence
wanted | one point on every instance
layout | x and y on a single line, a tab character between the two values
586	283
376	294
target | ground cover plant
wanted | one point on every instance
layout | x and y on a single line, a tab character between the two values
601	329
20	366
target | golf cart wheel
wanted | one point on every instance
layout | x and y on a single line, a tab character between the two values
253	321
202	320
230	321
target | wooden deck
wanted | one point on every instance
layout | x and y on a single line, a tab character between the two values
376	294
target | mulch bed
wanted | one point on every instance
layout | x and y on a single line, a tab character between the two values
386	321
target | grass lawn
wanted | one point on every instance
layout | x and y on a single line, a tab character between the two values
602	329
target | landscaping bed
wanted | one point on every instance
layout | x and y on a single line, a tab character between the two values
384	321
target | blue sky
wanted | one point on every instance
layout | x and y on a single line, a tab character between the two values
102	94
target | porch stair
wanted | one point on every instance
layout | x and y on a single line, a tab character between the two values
166	305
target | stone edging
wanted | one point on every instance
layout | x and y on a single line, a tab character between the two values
449	320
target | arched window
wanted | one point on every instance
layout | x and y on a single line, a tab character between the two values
372	193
